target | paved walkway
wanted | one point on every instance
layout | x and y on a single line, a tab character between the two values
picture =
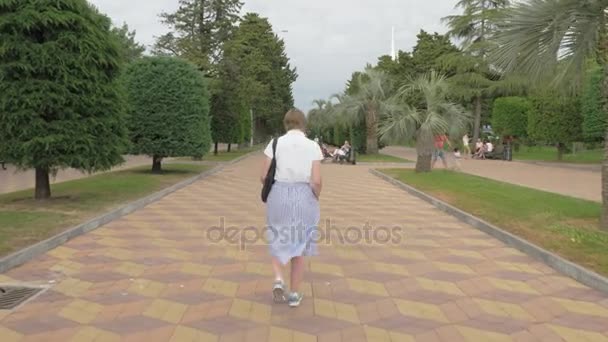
570	181
155	275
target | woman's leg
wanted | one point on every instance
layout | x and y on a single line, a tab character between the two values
297	273
277	269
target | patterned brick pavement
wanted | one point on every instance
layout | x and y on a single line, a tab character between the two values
156	276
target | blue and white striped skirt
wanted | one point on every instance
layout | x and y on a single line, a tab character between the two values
292	213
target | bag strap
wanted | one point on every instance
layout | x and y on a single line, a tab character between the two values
274	147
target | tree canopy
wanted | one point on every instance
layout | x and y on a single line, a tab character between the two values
168	107
60	106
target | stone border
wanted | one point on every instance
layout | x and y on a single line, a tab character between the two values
561	265
20	257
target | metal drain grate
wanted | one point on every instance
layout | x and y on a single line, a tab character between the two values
13	296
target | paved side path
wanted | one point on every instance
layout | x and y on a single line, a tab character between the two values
157	276
569	181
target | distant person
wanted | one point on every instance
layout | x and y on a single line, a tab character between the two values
440	141
466	142
489	146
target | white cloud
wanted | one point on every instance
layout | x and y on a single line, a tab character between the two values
326	40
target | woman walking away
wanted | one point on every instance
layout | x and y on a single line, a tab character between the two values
292	207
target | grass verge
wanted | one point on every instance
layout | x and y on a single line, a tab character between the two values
380	158
564	225
549	154
25	221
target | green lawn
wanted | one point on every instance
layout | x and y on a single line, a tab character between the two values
564	225
24	221
544	153
380	158
224	156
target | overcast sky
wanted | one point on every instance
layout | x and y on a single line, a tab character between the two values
326	40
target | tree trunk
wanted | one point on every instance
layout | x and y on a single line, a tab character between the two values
372	132
43	185
604	219
229	147
424	151
215	148
156	164
477	127
560	151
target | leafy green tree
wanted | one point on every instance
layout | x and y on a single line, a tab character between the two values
266	77
428	51
199	29
435	115
510	116
475	80
60	106
556	38
555	119
132	50
368	103
169	109
227	105
592	106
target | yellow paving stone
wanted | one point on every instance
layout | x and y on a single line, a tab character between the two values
62	252
374	334
410	255
131	269
350	254
575	335
240	308
422	242
120	253
72	287
196	269
368	287
185	334
222	287
81	311
92	334
466	253
454	268
346	312
391	268
302	337
164	243
147	288
258	268
584	308
113	242
67	267
167	311
280	335
421	310
504	309
326	268
479	243
10	335
6	279
324	308
512	285
475	335
260	313
439	286
518	267
177	255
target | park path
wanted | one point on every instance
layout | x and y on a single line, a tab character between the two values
580	182
156	275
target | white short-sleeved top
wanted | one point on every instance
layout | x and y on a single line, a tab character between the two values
295	155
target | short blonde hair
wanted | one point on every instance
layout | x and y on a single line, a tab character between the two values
294	119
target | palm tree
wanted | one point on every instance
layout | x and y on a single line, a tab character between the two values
368	104
556	38
434	115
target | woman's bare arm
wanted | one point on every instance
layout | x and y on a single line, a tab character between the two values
265	168
315	178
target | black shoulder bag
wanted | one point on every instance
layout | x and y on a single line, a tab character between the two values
269	181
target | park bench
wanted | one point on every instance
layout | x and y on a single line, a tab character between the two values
497	154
